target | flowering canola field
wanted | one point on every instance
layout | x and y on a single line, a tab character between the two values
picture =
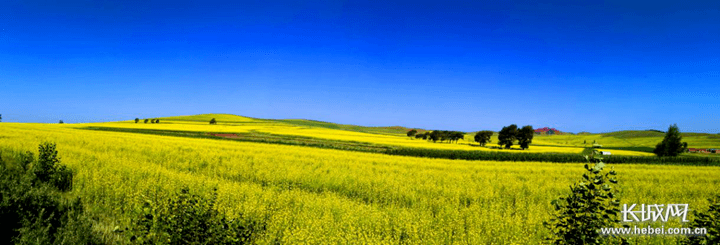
238	124
321	196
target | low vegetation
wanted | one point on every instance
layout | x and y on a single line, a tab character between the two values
188	218
710	220
32	207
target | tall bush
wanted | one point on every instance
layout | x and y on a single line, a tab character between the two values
591	204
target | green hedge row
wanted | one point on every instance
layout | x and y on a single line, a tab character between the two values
545	157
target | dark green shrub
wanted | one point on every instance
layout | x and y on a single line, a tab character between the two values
592	204
33	212
709	220
26	160
48	170
412	133
483	137
507	136
672	144
190	219
525	136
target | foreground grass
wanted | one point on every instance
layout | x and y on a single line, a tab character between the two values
310	195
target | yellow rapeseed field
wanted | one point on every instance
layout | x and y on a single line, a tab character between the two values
321	196
238	124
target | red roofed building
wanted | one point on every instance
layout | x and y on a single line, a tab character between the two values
547	130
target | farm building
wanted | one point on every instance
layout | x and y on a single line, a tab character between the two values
698	150
547	130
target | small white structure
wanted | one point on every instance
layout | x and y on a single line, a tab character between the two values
605	153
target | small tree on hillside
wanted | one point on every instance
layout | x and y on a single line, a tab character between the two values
671	145
434	136
0	117
146	120
525	136
137	120
157	120
507	136
483	137
152	120
457	136
411	133
61	122
212	121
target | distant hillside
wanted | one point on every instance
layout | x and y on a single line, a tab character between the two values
226	118
633	134
392	130
235	119
400	130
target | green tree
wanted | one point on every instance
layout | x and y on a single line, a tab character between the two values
592	204
0	117
157	120
507	136
672	144
525	136
61	122
137	120
457	136
146	120
213	121
48	168
483	137
411	133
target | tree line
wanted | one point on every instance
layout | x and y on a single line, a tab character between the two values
438	135
506	137
137	120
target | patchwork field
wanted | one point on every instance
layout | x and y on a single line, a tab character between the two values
628	140
309	195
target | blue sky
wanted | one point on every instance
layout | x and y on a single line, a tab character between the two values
470	65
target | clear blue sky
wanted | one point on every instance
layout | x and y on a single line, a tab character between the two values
471	65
